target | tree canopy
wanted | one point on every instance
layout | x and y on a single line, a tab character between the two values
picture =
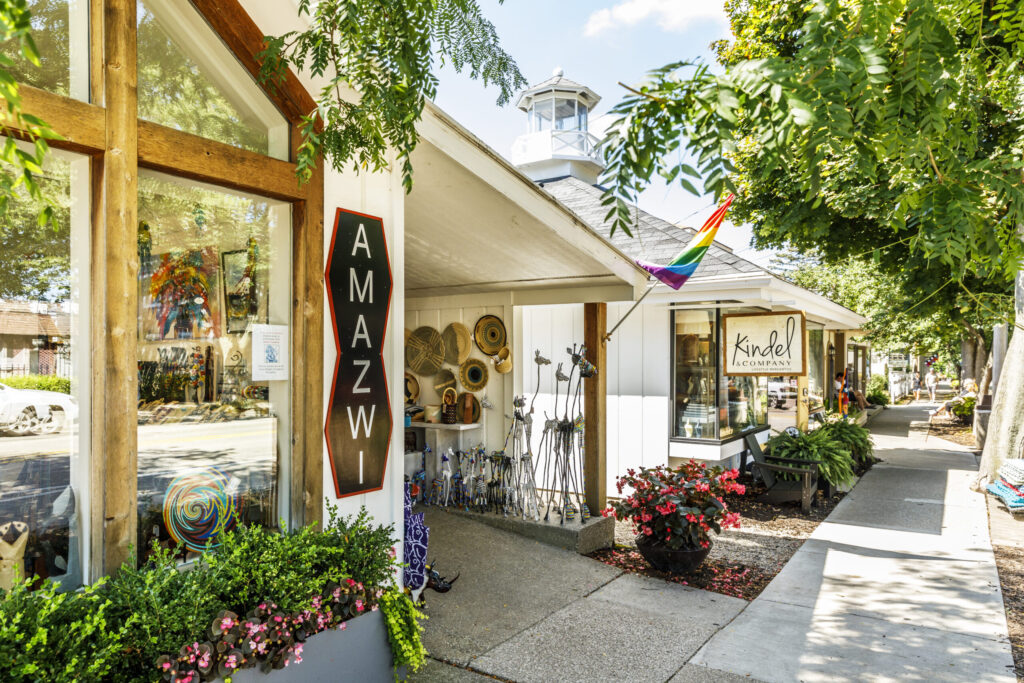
892	128
377	62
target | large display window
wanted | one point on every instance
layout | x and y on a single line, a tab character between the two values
817	380
60	30
693	375
214	379
44	378
187	81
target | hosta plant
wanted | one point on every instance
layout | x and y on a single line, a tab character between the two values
851	436
677	508
836	463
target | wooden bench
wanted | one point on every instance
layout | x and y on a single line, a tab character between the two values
781	490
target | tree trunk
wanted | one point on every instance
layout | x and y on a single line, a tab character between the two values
973	355
986	379
1006	428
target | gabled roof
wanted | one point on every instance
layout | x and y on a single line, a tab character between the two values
654	240
21	318
559	83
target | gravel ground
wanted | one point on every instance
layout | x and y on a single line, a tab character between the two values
742	561
1010	562
951	430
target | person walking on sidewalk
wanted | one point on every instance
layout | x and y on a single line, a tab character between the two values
931	381
917	385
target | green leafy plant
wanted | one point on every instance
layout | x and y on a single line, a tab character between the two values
404	630
120	628
836	465
20	167
378	62
41	382
46	635
853	437
677	508
878	398
963	410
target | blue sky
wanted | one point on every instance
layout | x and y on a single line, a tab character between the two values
598	43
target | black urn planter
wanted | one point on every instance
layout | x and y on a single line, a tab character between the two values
665	559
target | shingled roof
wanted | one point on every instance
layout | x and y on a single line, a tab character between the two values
654	240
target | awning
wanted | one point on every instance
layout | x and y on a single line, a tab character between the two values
474	224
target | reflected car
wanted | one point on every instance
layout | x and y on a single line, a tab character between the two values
780	391
34	411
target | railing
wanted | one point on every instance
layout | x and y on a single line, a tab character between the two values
547	144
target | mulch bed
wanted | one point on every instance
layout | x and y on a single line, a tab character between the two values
951	430
743	562
1010	562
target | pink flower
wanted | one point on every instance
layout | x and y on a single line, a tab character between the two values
392	552
351	582
342	626
359	605
647	531
646	517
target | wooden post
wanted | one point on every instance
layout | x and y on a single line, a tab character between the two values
803	398
307	471
116	443
595	408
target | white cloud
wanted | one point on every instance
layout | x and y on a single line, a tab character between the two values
670	15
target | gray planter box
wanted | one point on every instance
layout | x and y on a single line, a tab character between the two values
981	418
361	652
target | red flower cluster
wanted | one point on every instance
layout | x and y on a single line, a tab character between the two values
677	507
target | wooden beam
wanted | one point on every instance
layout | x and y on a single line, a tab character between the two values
82	125
310	234
173	151
244	38
118	440
595	409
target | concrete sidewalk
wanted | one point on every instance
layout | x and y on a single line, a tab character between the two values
525	611
899	583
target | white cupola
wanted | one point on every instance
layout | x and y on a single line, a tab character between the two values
557	143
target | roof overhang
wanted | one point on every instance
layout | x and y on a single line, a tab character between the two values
760	290
474	224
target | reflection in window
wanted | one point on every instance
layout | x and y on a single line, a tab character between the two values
747	405
44	378
60	29
540	116
565	114
816	369
694	374
214	271
188	80
782	402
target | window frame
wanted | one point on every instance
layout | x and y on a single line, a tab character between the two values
108	130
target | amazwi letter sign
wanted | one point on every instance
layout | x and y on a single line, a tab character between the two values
764	343
358	426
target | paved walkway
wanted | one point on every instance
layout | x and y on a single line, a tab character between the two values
899	583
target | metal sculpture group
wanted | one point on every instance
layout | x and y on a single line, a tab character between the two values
506	481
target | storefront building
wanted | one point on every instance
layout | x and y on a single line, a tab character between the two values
669	398
183	290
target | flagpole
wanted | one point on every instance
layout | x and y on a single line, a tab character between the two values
608	336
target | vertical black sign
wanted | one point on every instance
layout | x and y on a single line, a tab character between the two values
358	426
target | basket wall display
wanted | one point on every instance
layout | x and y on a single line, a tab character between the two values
473	374
490	334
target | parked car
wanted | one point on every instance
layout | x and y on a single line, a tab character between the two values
781	390
33	411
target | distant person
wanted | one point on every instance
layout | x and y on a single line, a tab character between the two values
931	381
841	395
970	390
917	385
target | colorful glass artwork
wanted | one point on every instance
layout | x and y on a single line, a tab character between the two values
199	505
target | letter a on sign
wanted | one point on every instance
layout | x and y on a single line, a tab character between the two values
358	428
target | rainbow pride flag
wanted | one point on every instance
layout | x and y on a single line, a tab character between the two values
685	264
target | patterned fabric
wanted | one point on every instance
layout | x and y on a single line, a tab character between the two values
685	263
1013	501
1013	471
416	537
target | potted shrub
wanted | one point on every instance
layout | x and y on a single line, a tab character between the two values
674	511
251	609
835	465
